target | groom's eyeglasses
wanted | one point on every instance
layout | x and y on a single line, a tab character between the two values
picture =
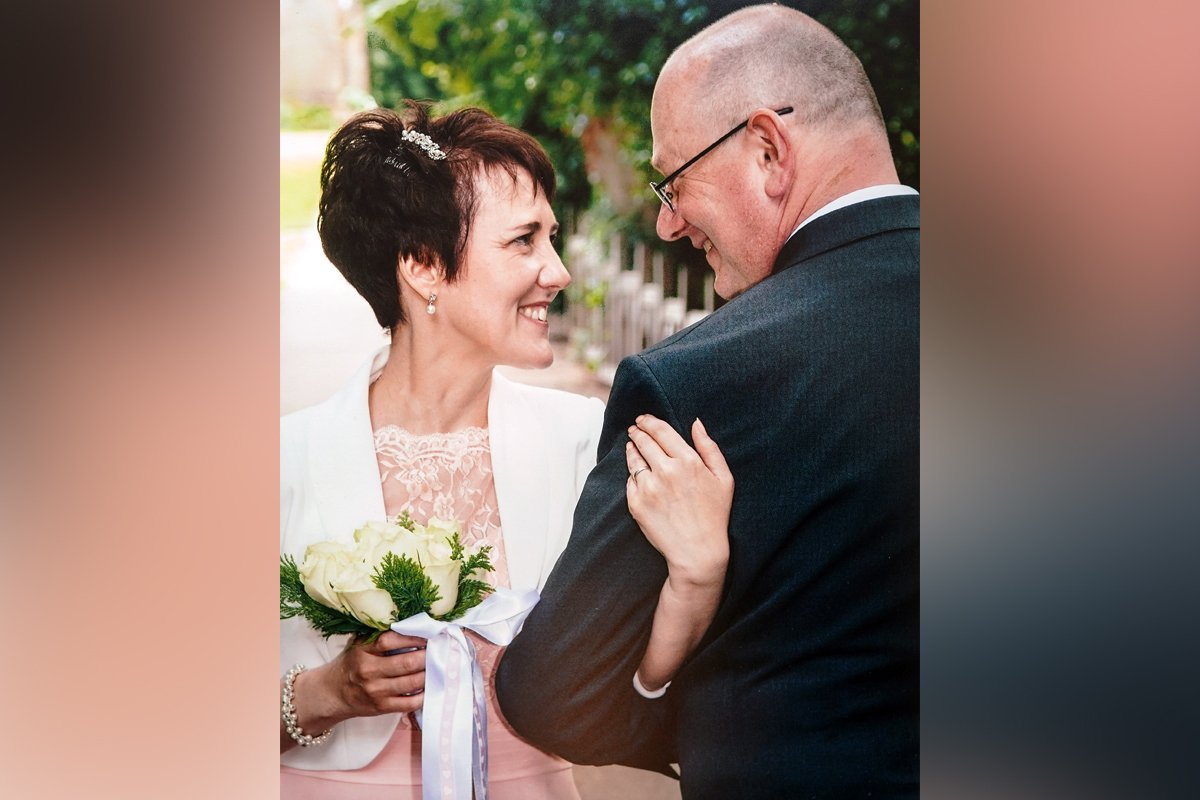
666	195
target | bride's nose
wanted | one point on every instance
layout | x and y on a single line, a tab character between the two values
553	274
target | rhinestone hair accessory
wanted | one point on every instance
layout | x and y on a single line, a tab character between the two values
425	143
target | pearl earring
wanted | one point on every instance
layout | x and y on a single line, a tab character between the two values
429	309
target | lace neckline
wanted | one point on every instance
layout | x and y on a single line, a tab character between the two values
469	436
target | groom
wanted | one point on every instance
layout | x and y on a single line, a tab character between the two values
806	683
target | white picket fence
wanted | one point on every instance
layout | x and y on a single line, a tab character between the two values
635	313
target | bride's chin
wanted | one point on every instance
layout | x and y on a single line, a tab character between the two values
541	362
531	360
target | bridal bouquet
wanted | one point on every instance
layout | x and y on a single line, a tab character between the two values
417	580
393	570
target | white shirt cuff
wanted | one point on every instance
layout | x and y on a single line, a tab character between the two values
646	693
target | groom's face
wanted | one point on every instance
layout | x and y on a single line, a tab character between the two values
716	202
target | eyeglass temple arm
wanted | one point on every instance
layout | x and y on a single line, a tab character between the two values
657	186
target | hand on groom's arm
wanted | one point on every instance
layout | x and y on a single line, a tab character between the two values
566	683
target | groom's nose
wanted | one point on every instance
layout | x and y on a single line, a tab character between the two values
670	225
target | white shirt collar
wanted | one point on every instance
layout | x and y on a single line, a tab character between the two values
858	196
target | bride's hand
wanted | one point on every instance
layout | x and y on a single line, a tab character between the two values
372	679
681	498
363	681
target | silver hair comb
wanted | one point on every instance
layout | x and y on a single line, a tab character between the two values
425	143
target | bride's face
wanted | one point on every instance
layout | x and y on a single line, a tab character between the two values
508	275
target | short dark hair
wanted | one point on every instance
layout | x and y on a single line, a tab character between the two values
384	198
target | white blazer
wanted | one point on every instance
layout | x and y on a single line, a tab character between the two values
543	444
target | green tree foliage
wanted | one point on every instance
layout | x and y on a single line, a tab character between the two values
548	67
885	37
575	71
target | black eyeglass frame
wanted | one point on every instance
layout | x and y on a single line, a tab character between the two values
660	187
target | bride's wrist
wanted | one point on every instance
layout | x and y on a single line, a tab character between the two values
315	706
703	572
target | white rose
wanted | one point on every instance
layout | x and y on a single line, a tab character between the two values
373	532
336	575
322	562
361	598
435	559
441	529
439	550
443	571
376	539
437	563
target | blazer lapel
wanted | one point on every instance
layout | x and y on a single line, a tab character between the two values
520	470
342	459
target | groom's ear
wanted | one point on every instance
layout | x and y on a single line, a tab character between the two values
775	150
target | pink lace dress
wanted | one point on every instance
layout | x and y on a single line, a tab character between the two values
446	475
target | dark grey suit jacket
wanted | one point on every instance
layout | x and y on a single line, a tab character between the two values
806	683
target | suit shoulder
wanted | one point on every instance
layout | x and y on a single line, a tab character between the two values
691	342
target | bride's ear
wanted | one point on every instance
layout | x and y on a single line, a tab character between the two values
417	277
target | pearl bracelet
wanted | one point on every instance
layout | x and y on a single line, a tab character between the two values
288	711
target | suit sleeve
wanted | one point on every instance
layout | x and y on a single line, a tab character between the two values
566	683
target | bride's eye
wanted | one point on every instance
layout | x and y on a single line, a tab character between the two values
525	240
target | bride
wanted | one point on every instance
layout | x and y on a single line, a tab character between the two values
445	227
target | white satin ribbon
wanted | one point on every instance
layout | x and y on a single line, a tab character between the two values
454	722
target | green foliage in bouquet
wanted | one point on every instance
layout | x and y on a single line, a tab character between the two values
471	590
295	602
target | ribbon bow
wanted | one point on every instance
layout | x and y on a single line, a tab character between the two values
454	722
